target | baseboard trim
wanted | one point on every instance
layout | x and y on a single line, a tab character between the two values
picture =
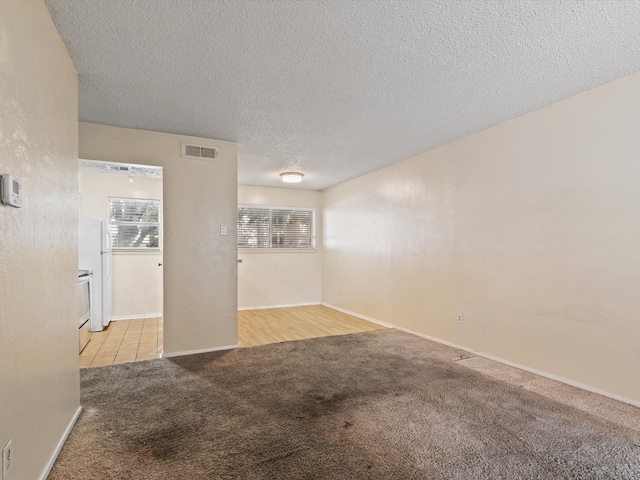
61	443
279	306
488	356
135	317
364	317
202	350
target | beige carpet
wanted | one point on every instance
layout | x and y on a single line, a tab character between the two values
375	405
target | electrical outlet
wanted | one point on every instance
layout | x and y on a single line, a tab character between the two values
460	319
7	456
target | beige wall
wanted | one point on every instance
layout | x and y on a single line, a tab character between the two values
39	376
531	229
200	265
276	279
137	278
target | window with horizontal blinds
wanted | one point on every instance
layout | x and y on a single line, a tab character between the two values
254	227
261	227
134	223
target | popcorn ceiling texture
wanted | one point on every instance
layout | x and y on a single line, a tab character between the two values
336	89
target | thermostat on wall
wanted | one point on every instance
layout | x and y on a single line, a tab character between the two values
11	191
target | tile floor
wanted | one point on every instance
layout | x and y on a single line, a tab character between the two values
124	341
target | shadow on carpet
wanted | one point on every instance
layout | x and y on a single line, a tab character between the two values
375	405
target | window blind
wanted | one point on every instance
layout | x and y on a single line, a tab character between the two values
260	227
134	223
254	227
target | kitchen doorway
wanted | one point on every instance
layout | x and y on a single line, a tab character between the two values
128	199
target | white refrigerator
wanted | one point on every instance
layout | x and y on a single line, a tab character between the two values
94	254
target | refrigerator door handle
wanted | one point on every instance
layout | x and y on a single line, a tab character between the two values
107	240
109	267
107	251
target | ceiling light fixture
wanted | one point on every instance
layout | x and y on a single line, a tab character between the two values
291	177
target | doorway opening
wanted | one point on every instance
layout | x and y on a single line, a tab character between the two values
127	294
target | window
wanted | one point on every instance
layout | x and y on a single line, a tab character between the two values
134	223
263	227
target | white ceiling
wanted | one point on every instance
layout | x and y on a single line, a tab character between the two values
336	89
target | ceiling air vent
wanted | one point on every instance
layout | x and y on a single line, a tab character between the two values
198	151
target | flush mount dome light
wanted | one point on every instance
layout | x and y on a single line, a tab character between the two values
291	177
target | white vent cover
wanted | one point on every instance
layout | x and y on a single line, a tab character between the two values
198	151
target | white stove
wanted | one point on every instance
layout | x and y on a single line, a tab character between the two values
84	306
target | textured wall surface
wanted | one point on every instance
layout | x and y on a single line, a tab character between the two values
200	265
530	229
39	381
137	278
272	278
337	88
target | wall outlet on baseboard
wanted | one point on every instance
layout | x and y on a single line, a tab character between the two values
460	319
7	456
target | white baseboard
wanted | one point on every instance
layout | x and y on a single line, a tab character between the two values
364	317
202	350
279	306
135	317
61	443
488	356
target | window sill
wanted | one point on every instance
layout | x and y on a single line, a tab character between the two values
135	251
242	251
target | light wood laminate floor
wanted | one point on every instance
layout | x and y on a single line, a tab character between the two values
273	325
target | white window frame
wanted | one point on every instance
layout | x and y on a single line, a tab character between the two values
158	224
276	249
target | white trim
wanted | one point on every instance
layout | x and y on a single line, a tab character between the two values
275	207
364	317
202	350
551	376
271	250
61	443
279	306
132	251
135	317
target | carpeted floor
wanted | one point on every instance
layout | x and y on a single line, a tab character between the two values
375	405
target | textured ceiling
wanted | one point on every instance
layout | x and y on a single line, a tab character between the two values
336	89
